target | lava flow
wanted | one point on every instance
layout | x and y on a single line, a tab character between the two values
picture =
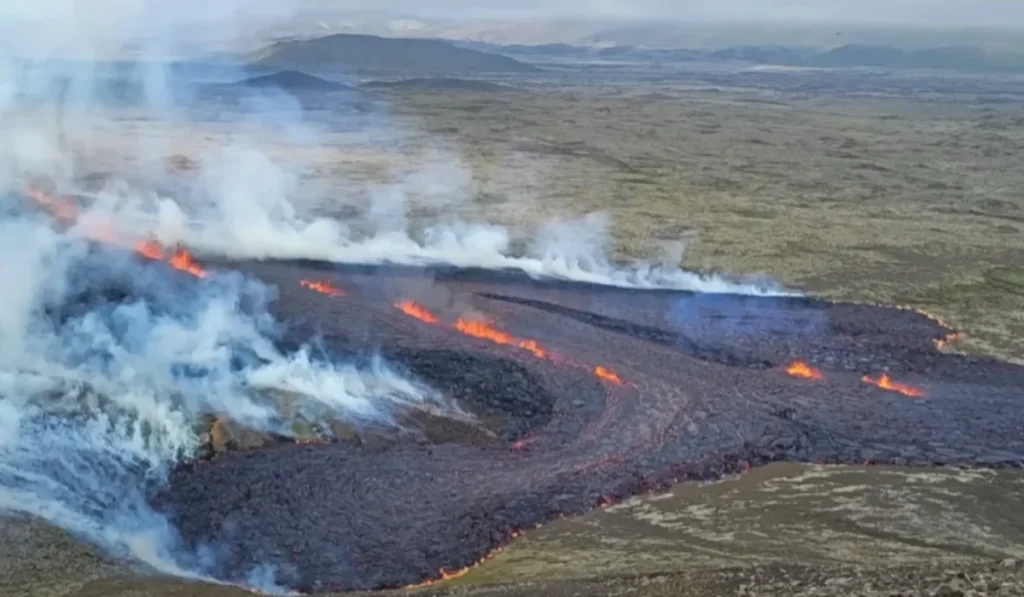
179	259
886	383
102	231
803	370
945	342
608	375
444	574
424	506
62	209
415	310
323	287
484	331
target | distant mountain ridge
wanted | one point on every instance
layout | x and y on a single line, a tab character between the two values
372	53
959	58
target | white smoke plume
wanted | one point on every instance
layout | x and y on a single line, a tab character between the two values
108	365
97	402
249	216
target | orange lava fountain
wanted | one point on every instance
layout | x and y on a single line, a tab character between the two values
886	383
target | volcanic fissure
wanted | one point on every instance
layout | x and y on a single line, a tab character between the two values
600	399
574	396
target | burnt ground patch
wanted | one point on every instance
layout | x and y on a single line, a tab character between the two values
341	515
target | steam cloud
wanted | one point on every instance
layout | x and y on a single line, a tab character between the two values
249	216
99	399
101	395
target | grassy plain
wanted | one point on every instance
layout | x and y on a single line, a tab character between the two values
889	199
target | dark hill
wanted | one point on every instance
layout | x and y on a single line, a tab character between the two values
292	80
440	83
373	53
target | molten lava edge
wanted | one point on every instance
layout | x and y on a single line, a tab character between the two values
601	393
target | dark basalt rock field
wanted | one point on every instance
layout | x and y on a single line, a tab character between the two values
702	392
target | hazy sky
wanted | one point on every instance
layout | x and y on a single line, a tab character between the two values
902	12
946	12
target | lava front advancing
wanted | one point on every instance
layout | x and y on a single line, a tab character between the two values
596	394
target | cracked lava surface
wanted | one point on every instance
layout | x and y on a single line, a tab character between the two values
603	393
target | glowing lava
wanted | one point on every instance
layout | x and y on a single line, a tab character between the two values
608	375
886	383
445	574
413	309
804	371
62	209
150	250
103	231
180	259
943	344
322	287
484	331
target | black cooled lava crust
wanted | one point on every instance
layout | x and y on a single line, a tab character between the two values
705	395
